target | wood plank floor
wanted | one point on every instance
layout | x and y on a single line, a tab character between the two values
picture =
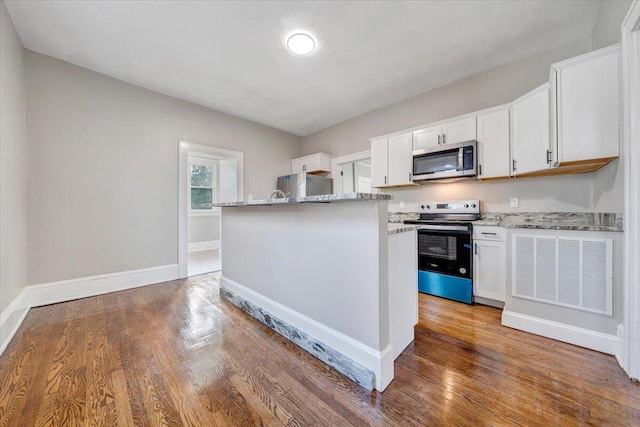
176	354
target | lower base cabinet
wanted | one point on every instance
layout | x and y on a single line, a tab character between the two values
489	263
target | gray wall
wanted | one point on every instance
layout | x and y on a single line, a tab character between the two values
103	169
203	228
599	191
13	164
606	30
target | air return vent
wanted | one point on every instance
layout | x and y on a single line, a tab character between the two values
564	271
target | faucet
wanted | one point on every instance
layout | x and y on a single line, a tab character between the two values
279	193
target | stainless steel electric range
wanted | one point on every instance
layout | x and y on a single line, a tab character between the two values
445	248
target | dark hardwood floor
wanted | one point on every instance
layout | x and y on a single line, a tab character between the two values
176	354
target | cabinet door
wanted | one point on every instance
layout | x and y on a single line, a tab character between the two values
427	137
379	161
297	165
489	269
459	131
493	144
587	109
530	132
318	162
400	159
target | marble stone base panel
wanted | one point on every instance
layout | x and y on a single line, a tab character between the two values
333	358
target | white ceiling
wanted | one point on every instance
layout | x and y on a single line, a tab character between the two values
230	56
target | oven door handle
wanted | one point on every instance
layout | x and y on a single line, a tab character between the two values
444	228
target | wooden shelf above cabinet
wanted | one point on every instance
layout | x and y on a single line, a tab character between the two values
570	168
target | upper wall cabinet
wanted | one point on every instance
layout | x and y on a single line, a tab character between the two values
313	163
493	143
391	161
530	132
449	132
585	94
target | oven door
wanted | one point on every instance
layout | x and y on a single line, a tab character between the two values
445	249
444	262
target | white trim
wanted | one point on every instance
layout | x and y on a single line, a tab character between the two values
598	341
349	158
186	149
67	290
11	318
204	246
207	213
630	48
380	362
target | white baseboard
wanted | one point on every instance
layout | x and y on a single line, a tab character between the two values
67	290
203	246
598	341
11	318
380	362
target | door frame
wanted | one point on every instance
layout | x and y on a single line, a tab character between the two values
349	158
186	149
630	48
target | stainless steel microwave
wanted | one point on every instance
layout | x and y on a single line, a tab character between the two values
445	161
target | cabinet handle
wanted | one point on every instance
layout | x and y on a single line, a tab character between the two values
385	179
410	177
514	164
479	169
489	234
475	249
439	139
444	138
548	156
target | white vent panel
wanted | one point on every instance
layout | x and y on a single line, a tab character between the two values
546	269
573	272
569	272
594	275
525	267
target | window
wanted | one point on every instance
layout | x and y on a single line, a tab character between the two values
203	177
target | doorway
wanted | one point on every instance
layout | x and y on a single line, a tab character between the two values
207	175
352	173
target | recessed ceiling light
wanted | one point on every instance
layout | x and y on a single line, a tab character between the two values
301	44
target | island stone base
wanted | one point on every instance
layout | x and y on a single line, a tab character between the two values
333	358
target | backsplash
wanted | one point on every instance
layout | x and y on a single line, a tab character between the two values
592	218
400	217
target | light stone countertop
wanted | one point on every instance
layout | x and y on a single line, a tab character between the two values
325	198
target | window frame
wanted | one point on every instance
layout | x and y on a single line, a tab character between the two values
215	188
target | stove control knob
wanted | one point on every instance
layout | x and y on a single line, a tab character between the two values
473	205
422	206
466	206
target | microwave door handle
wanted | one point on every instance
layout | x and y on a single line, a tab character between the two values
461	159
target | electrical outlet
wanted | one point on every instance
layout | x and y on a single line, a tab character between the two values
401	204
250	196
514	202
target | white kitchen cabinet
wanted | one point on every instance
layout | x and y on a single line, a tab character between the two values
313	163
489	262
449	132
585	120
391	161
530	132
493	143
459	130
427	138
400	159
379	162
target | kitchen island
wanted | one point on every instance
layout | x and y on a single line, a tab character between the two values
317	270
